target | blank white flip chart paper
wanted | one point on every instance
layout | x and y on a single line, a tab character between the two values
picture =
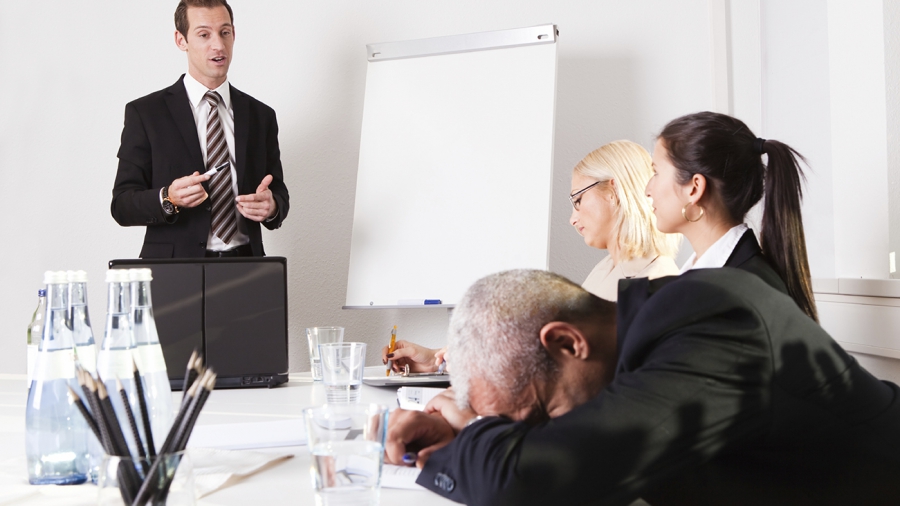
455	164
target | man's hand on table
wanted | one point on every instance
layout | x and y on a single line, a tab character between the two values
415	432
423	433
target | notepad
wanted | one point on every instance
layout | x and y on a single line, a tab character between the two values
415	398
248	435
400	477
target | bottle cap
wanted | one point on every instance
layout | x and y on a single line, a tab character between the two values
140	274
42	293
54	277
117	276
76	276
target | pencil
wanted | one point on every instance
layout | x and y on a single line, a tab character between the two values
115	430
145	414
177	438
391	349
188	412
135	434
74	399
186	383
129	480
205	389
148	487
179	417
90	391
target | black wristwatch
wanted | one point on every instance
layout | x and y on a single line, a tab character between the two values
167	205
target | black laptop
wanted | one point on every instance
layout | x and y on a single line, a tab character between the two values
232	310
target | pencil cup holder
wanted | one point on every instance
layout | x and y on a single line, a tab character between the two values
164	480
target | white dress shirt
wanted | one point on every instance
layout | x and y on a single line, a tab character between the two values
200	108
718	253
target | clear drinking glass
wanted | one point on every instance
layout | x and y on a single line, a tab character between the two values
342	370
167	479
317	336
346	444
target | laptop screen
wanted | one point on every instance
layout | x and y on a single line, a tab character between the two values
232	310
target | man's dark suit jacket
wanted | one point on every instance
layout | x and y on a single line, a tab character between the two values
160	144
725	393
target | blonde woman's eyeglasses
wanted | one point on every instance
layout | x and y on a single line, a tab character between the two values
575	198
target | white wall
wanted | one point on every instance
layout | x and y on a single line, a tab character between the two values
892	85
796	110
830	72
859	134
625	69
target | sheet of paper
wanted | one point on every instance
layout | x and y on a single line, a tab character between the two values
400	477
248	435
213	467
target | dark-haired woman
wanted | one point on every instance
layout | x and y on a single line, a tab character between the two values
708	173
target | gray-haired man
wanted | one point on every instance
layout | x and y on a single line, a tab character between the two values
724	393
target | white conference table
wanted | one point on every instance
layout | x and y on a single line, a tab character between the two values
286	482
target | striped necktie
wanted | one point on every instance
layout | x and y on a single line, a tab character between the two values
224	221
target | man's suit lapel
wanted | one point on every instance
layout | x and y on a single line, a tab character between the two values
241	106
180	109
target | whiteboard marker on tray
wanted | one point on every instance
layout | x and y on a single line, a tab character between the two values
418	302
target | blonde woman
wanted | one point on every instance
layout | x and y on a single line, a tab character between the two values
611	212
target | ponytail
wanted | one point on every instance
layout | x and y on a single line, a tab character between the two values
782	238
729	156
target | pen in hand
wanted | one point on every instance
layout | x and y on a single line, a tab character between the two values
391	348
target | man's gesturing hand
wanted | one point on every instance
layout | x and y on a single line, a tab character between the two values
258	206
188	191
416	432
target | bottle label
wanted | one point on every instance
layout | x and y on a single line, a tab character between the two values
149	358
52	365
87	357
112	364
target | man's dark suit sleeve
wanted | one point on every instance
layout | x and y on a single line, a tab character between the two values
699	386
278	188
135	201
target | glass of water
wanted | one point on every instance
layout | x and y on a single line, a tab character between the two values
342	370
317	336
346	443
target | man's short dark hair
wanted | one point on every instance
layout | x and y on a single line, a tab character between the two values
181	20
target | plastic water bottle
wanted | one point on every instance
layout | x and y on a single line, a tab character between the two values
85	352
55	432
115	358
149	356
35	329
82	335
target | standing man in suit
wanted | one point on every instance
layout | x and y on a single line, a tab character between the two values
174	139
725	392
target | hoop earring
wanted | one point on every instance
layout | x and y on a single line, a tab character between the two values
684	213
